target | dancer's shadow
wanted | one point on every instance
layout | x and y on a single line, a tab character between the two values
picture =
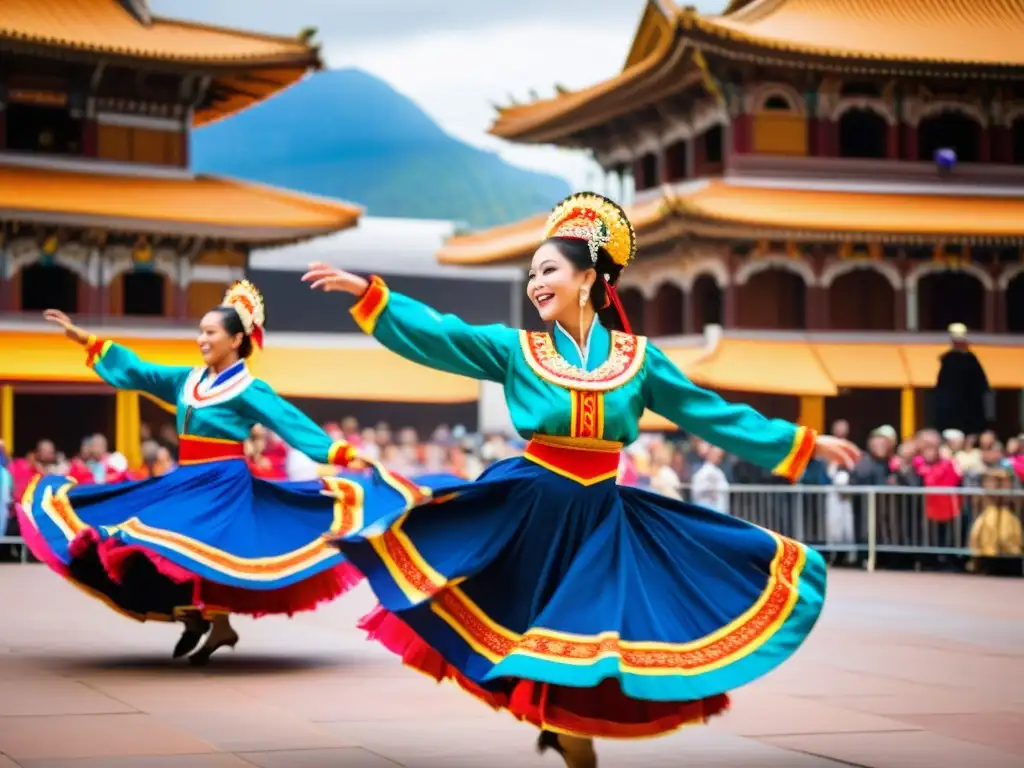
223	664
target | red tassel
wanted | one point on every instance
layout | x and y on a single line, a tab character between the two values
613	298
257	336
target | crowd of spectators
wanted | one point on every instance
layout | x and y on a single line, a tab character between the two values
831	515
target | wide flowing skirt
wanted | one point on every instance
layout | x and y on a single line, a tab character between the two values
588	609
208	537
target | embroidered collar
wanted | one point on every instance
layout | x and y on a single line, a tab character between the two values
565	343
624	361
203	389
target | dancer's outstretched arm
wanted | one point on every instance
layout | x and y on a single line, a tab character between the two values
774	444
417	332
264	406
119	366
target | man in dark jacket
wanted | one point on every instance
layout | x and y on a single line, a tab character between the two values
962	392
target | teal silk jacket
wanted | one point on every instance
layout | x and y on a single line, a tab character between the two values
554	388
221	407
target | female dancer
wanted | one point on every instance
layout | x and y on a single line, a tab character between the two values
585	608
207	539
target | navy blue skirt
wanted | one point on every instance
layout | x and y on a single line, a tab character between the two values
207	536
594	610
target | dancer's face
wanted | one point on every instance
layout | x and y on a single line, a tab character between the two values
555	283
218	347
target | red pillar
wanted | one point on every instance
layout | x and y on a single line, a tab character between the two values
90	138
900	313
730	310
990	311
985	145
909	142
892	142
741	134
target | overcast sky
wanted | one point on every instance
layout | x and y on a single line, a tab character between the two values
457	57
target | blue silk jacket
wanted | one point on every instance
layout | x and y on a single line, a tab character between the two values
221	407
553	388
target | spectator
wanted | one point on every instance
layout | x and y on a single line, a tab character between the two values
841	429
997	531
962	392
941	510
664	479
839	531
6	490
710	486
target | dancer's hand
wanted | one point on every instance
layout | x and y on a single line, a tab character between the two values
324	277
71	330
836	449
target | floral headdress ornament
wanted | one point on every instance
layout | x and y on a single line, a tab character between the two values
597	221
247	301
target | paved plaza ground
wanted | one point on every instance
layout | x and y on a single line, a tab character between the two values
906	670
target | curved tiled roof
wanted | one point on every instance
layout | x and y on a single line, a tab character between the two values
105	26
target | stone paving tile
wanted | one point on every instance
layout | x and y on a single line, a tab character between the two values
254	728
64	736
55	697
762	713
350	757
917	749
905	670
1003	730
215	760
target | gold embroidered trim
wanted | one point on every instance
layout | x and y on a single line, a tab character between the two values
623	363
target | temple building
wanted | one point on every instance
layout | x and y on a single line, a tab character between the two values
100	215
829	183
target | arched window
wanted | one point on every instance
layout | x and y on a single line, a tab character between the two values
49	286
144	294
950	297
861	300
949	130
633	305
707	302
777	103
773	299
668	311
1015	305
863	133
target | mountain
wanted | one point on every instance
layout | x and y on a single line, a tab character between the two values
349	135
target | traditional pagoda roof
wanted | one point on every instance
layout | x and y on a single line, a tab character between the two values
247	65
942	36
718	208
180	204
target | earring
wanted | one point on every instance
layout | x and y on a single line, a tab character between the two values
584	295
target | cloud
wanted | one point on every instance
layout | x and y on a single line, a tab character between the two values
456	57
389	20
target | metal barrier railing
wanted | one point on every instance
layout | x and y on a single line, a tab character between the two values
876	519
862	522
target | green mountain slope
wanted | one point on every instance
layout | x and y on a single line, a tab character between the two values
349	135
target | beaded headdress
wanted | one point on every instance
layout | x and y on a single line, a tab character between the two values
596	220
247	301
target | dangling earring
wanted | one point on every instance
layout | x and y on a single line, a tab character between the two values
584	295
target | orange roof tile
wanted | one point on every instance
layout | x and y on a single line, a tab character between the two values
947	32
247	67
105	26
773	367
968	32
856	212
867	365
801	212
520	239
371	373
199	205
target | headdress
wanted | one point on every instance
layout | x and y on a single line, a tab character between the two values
600	223
596	220
958	331
247	301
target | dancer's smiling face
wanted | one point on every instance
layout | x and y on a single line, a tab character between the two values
555	283
222	340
